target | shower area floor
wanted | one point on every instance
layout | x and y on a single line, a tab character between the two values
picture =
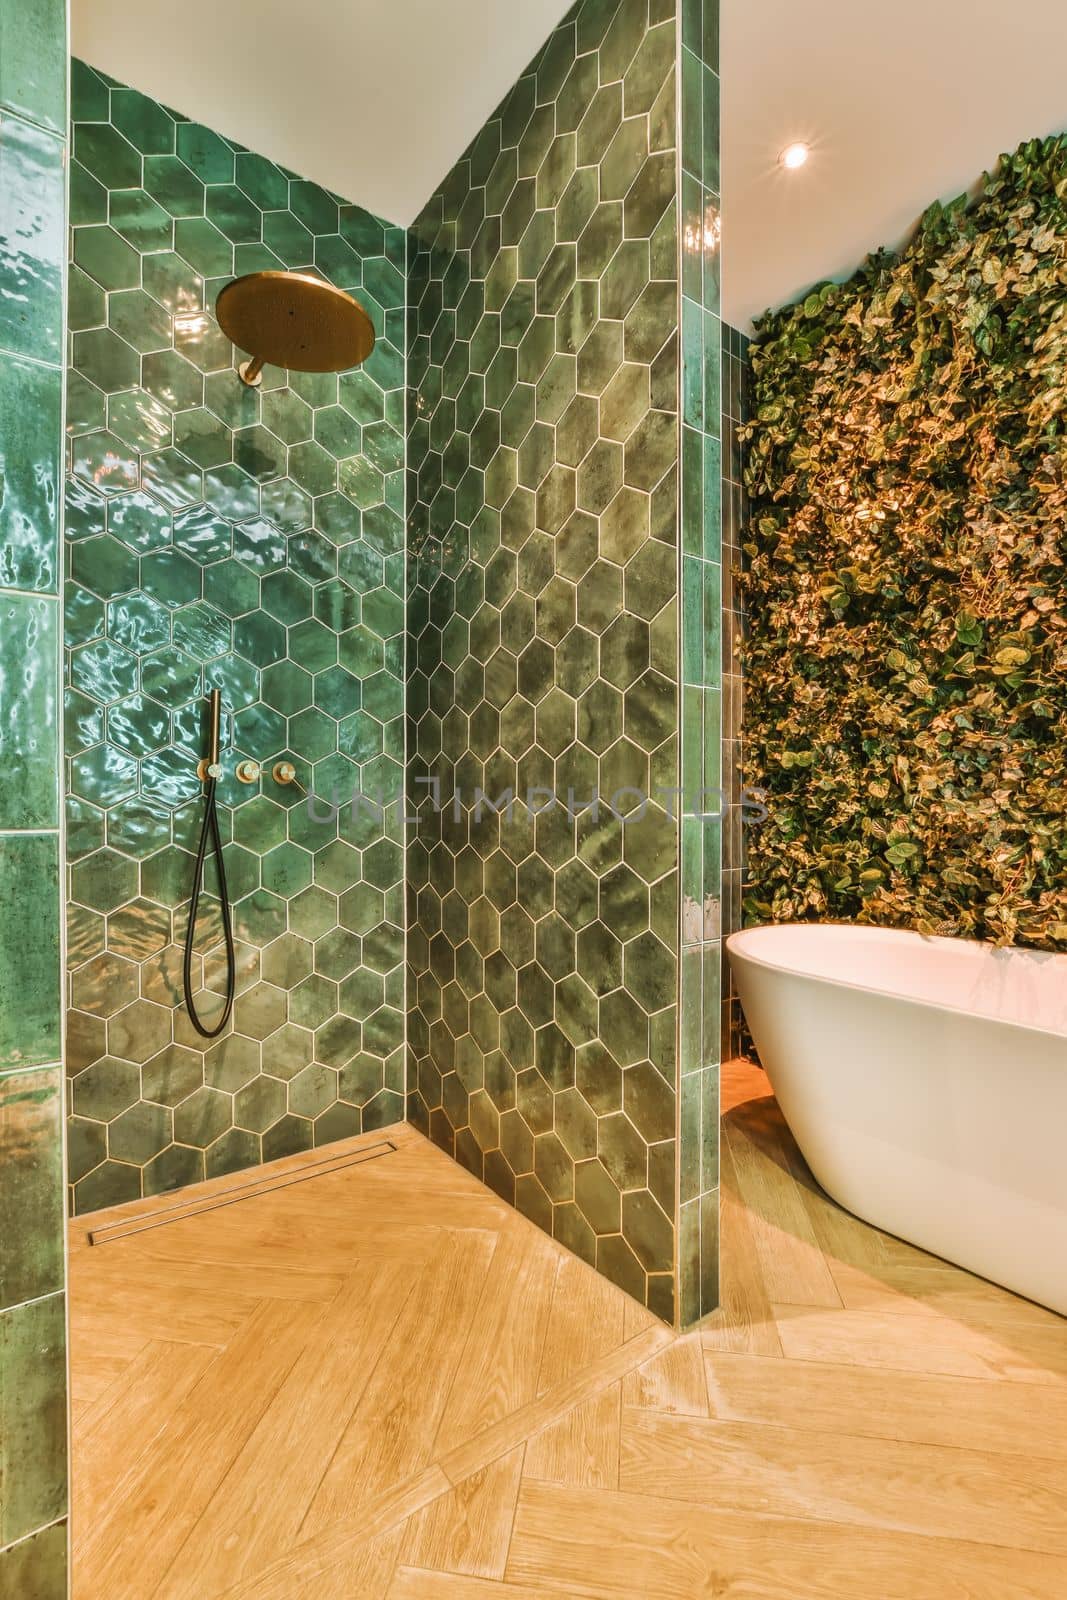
383	1383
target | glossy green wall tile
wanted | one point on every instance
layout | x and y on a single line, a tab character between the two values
33	62
31	1159
31	403
32	208
33	1416
29	717
36	1567
29	949
250	539
33	1430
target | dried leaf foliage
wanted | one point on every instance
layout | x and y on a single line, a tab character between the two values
906	668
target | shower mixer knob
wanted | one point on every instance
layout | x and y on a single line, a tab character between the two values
248	771
284	772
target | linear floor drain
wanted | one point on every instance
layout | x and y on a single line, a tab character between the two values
163	1215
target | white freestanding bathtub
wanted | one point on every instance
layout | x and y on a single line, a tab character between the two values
925	1081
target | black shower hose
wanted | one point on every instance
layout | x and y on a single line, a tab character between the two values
210	830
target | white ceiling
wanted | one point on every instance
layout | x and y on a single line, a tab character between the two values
903	103
374	99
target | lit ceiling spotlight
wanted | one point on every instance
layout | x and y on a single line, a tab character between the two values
794	156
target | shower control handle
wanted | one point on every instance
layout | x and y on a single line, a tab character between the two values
248	772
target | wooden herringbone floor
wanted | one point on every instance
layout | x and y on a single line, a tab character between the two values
385	1384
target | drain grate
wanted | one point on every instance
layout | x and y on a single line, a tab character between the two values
162	1216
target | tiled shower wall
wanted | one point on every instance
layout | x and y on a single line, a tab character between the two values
33	1414
544	636
735	372
707	819
251	540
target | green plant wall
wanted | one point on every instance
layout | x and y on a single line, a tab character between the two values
906	669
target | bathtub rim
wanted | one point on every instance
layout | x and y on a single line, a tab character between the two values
733	942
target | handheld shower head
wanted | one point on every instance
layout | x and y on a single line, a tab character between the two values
214	701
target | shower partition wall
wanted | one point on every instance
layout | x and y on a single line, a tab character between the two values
704	837
563	297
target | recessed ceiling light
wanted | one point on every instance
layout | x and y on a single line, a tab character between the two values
795	155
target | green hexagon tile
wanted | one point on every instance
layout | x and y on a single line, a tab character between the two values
251	540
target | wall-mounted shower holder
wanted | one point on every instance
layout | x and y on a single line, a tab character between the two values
207	768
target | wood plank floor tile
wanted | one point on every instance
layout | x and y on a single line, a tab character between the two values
278	1236
942	1288
100	1351
582	1446
500	1358
391	1437
530	1419
597	1544
588	1319
924	1342
158	1500
468	1530
792	1265
322	1564
673	1381
745	1320
935	1490
152	1311
258	1516
416	1583
365	1571
217	1274
882	1404
846	1238
116	1430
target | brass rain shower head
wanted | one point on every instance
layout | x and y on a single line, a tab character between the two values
293	320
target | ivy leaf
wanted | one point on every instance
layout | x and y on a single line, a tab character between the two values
968	629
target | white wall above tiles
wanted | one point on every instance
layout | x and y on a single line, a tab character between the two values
374	99
903	103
